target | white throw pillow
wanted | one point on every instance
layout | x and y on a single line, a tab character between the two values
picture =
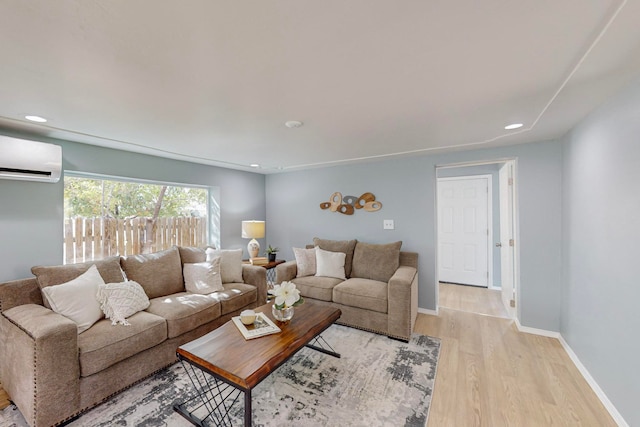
121	300
76	299
230	263
330	264
305	261
203	277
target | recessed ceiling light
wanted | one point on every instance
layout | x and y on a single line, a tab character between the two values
293	124
254	165
36	119
513	126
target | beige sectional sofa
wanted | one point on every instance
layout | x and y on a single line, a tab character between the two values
53	373
379	291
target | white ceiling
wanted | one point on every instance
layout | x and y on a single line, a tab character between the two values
214	81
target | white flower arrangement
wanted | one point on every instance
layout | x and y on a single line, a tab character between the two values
286	295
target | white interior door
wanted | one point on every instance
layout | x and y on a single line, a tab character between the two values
507	248
463	230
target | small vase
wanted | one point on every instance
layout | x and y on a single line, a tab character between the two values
283	315
272	257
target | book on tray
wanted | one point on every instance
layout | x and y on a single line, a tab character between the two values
259	261
260	327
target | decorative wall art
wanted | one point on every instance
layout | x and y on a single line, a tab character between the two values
348	204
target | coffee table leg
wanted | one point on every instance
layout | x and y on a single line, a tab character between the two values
213	399
247	408
321	345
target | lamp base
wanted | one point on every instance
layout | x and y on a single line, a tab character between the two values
253	248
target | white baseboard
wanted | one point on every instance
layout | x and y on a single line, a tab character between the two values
617	417
427	311
535	331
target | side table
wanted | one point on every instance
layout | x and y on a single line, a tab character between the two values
271	273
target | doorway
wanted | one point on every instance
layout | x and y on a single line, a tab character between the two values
476	244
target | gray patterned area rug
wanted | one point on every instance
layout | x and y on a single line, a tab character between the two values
377	382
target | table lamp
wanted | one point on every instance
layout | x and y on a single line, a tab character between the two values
253	230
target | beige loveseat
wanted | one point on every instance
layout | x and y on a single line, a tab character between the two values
52	373
379	292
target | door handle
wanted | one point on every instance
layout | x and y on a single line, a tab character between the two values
498	245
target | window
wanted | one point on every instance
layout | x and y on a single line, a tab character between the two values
105	217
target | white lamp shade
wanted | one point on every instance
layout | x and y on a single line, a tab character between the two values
252	229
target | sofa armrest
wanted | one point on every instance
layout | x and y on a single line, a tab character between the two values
403	301
39	362
286	271
257	276
18	292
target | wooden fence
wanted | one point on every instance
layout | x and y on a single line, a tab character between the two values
87	239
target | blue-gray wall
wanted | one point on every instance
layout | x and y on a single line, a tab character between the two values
494	171
406	187
601	231
31	213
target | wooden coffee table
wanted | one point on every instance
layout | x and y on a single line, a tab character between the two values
222	364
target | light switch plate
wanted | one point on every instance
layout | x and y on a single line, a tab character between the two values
387	224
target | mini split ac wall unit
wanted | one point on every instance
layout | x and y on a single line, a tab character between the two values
29	160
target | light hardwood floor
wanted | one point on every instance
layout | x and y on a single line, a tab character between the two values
472	299
4	398
490	374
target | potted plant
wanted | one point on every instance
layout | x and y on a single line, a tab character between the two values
271	253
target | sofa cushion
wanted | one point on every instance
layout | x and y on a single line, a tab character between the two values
202	277
362	293
235	296
76	299
330	264
345	246
104	345
320	288
109	269
190	254
230	264
376	262
305	262
159	273
121	300
185	311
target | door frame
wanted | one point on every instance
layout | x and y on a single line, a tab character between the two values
516	225
507	235
489	248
